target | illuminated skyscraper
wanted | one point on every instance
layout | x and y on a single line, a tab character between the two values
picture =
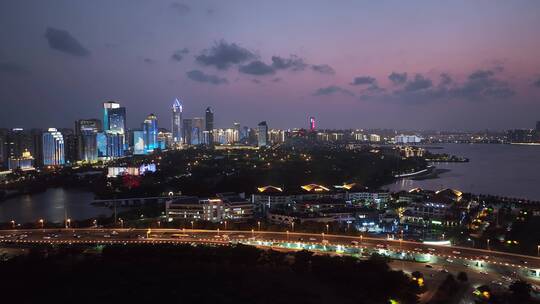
209	126
186	131
262	134
177	110
138	143
312	125
150	130
86	131
114	126
53	148
197	131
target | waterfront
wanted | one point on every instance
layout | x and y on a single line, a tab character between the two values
52	206
505	170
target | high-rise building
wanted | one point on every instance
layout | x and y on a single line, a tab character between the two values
53	148
187	126
177	110
138	143
237	131
150	130
209	126
114	126
262	134
197	131
86	131
312	125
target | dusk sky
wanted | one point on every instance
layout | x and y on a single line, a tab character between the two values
454	65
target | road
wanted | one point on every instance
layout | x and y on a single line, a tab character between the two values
477	259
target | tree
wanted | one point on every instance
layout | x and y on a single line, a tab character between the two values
521	291
462	277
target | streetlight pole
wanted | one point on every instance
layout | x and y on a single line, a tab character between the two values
292	226
13	224
327	229
488	244
68	223
192	223
538	250
259	225
42	222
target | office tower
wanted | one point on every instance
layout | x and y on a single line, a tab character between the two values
101	139
237	131
114	126
37	146
312	124
262	134
138	142
177	110
53	148
197	131
164	139
17	141
71	147
209	127
150	130
86	132
187	130
114	117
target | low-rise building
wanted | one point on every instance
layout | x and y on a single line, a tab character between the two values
223	207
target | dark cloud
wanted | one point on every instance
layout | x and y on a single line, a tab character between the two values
200	76
418	83
537	83
362	80
398	78
222	55
482	85
179	54
323	69
149	60
332	90
257	67
277	79
445	79
62	41
181	8
12	68
294	63
481	74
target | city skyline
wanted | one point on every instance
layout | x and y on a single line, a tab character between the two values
418	65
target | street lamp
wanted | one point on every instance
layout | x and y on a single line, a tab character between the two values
225	225
259	225
68	223
192	223
292	226
322	236
94	222
287	235
538	250
488	244
159	224
253	234
327	229
13	224
121	223
42	222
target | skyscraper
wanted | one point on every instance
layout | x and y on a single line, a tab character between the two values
150	130
209	126
114	126
262	134
197	131
312	125
177	110
86	131
53	148
187	130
